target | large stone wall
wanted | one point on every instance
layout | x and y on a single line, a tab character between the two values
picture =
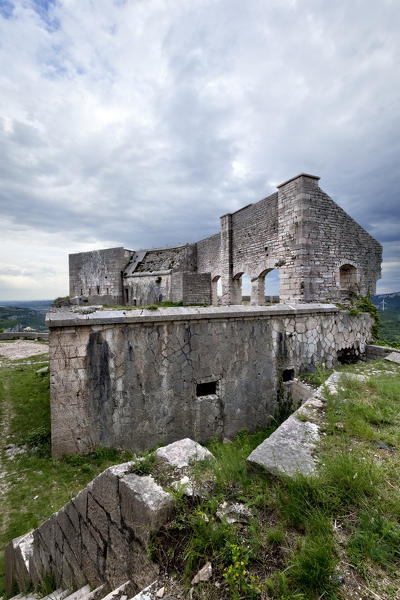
148	288
321	253
303	233
98	275
135	379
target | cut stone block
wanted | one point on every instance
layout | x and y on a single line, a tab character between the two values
18	554
145	506
393	357
183	453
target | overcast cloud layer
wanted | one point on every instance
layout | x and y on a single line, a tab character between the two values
140	122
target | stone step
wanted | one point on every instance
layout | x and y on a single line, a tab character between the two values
84	593
122	592
58	594
148	593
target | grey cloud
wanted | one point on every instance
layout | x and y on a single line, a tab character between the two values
129	118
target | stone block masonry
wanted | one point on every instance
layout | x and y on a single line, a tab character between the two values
100	537
134	379
321	253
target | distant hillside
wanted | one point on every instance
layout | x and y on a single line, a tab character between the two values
388	306
16	315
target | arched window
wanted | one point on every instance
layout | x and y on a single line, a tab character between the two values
246	288
272	286
216	290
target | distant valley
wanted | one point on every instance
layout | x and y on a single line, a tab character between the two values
15	315
388	306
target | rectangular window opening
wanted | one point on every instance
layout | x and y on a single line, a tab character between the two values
288	375
206	389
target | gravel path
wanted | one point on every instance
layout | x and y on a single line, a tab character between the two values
22	349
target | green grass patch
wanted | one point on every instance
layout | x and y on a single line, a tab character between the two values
289	549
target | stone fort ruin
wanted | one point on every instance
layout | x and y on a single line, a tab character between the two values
321	253
133	378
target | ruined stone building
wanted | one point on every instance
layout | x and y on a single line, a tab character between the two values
321	253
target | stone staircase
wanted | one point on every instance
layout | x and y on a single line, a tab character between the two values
98	542
122	592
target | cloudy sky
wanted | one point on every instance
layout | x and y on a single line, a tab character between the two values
140	122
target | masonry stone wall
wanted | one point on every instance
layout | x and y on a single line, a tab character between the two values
181	258
147	288
97	275
193	288
132	380
321	253
303	233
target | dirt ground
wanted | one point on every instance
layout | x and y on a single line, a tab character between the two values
21	349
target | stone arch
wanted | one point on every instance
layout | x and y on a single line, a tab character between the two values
216	290
348	279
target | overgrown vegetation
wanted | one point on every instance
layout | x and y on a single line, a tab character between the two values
319	377
332	536
363	304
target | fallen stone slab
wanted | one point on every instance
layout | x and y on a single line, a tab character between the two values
183	453
290	450
393	357
17	558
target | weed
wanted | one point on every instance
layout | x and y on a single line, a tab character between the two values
143	465
375	538
241	583
319	377
314	564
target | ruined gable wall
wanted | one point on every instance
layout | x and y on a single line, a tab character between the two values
208	255
97	274
131	382
255	237
181	258
332	238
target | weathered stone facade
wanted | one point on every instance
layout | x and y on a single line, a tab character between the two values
133	379
321	253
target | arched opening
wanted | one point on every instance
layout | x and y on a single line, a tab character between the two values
216	290
348	280
272	286
246	288
265	288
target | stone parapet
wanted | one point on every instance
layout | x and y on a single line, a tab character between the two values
134	379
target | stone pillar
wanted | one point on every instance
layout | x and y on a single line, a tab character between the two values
297	280
226	259
236	291
257	291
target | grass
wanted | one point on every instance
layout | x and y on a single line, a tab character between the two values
37	484
306	533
